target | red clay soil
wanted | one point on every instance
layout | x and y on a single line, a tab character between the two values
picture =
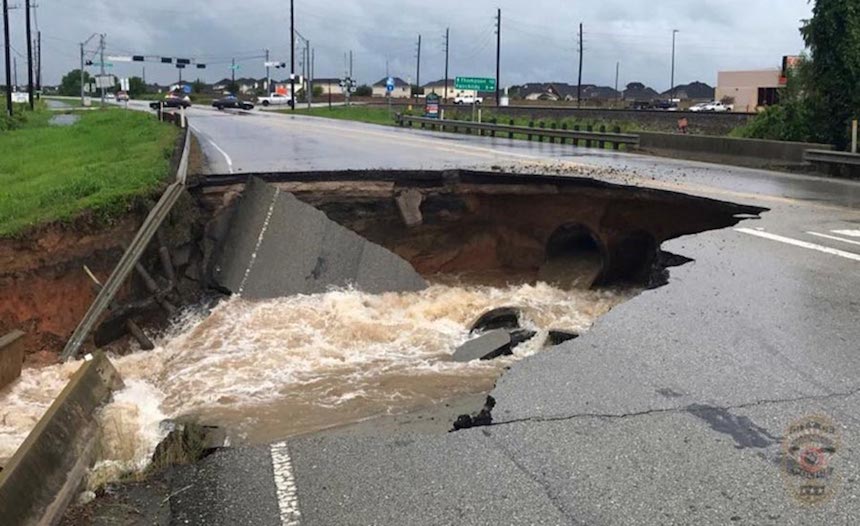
44	289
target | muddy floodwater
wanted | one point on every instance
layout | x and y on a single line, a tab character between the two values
267	370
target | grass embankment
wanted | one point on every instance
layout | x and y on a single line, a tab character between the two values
99	165
368	114
381	115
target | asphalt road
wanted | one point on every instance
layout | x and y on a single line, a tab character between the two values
674	409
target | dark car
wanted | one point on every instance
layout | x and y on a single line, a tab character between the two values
173	100
232	102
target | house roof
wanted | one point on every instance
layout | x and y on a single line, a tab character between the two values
439	83
398	83
694	90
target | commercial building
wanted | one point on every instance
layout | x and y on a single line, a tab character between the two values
756	89
402	89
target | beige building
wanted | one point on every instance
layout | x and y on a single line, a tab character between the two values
402	90
751	90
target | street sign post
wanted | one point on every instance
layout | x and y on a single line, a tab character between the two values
475	84
431	106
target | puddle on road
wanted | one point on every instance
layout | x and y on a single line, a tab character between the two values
267	370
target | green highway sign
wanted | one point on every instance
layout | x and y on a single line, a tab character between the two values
475	83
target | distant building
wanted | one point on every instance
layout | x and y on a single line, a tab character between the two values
695	91
556	91
750	90
402	90
438	87
638	92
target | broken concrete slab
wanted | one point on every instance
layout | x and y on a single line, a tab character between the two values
409	203
486	347
11	357
501	318
278	246
557	337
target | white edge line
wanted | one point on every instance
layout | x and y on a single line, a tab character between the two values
834	238
222	152
801	244
285	484
849	233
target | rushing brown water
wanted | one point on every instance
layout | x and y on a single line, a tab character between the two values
271	369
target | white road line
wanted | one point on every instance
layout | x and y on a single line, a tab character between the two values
849	233
222	152
285	484
834	238
260	240
801	244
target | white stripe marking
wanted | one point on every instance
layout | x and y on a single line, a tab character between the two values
260	238
222	152
834	238
801	244
288	500
849	233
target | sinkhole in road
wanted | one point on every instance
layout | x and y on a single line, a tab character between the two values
563	250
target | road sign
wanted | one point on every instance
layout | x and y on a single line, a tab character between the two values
431	106
123	84
20	98
105	81
121	59
236	67
389	84
186	88
475	84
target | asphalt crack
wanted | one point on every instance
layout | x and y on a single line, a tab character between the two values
690	408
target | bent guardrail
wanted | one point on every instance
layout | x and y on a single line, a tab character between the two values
577	137
131	256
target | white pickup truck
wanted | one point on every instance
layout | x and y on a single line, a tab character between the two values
275	99
468	99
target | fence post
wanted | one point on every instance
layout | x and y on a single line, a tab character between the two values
589	129
531	125
495	121
576	141
602	143
541	137
564	128
615	145
554	126
511	134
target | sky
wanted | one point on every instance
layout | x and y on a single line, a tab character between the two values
539	37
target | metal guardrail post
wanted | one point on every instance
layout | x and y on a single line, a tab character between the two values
615	145
602	144
511	134
589	129
576	140
531	125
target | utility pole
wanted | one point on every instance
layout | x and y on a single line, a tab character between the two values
102	58
579	82
350	63
447	53
15	73
38	62
498	57
83	80
293	55
268	75
418	68
672	87
9	109
233	72
617	74
30	86
309	95
312	71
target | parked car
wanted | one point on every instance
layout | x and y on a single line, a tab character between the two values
173	100
665	105
122	96
275	99
110	96
232	102
468	99
699	107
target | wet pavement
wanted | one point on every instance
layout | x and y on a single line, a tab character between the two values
676	408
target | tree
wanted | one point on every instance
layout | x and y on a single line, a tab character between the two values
70	86
318	92
833	37
198	86
364	91
136	87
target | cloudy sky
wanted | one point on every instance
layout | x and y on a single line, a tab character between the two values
539	36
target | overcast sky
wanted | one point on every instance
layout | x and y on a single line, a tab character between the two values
538	36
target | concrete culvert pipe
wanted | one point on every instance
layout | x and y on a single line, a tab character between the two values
575	257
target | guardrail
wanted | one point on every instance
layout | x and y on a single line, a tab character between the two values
831	157
131	256
577	137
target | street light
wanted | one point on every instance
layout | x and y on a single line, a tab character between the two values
672	86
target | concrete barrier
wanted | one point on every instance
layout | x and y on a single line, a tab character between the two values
45	473
11	357
767	152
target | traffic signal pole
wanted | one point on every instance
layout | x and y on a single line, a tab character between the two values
293	55
9	110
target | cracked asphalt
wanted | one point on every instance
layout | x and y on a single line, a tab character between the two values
676	408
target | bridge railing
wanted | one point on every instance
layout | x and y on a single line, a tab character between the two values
588	138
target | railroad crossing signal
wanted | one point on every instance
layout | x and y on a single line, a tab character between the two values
349	85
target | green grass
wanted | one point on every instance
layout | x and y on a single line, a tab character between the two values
368	114
100	164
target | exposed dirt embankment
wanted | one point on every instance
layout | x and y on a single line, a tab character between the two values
44	287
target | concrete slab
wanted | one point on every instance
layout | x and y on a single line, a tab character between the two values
485	347
278	246
11	357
